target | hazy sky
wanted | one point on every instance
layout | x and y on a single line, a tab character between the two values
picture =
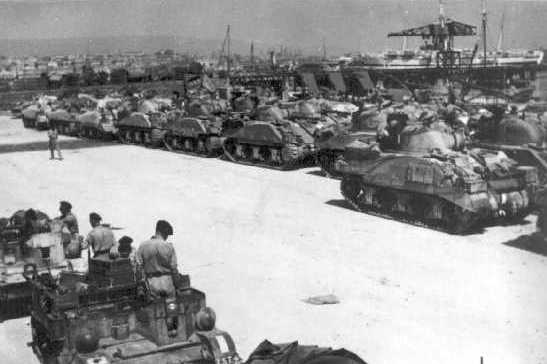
345	24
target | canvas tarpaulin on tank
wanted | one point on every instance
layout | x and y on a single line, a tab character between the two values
337	81
293	353
310	82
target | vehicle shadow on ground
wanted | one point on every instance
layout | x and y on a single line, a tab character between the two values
346	205
533	243
317	172
63	145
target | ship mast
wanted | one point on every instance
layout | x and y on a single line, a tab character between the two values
252	55
484	20
442	22
500	38
228	54
225	53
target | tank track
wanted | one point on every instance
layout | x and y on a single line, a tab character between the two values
290	161
460	222
326	160
206	153
95	134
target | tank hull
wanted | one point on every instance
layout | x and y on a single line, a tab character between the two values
524	155
270	145
194	136
330	150
431	192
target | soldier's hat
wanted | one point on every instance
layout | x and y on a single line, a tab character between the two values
65	205
124	246
164	227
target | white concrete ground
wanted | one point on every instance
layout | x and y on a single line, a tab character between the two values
258	241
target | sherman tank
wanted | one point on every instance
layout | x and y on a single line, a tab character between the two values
446	190
97	124
201	135
27	237
30	116
146	129
521	138
281	144
109	316
332	140
65	122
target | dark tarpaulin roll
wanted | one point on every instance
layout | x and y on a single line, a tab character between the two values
310	82
364	80
293	353
337	81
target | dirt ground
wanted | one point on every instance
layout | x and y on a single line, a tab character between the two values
259	241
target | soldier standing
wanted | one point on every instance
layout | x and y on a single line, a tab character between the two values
101	238
53	135
158	261
70	223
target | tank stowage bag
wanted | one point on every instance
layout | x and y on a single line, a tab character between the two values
293	353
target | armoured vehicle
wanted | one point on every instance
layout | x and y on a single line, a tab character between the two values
194	135
30	116
109	316
331	140
97	124
26	237
447	190
280	144
521	138
140	128
66	122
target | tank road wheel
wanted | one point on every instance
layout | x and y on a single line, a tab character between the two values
419	207
265	155
177	142
275	156
289	153
238	151
247	152
350	188
188	145
146	138
137	137
457	220
387	200
228	146
326	163
255	153
201	148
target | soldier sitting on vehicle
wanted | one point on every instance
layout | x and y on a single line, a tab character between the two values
101	238
68	219
158	261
